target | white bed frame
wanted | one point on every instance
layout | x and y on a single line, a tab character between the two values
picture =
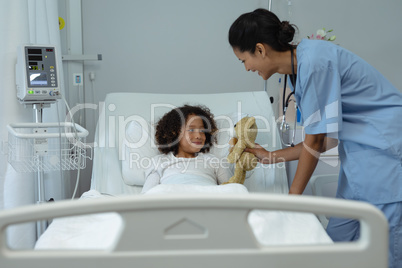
209	237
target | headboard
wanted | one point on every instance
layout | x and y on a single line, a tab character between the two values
119	110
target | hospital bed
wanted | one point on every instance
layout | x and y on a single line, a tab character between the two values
256	225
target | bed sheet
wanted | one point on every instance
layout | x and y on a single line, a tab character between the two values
99	231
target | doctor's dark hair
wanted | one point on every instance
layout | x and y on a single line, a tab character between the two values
168	129
261	26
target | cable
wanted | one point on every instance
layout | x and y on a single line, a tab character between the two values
79	155
60	147
92	78
81	100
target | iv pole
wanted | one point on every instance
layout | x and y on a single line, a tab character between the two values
40	225
266	81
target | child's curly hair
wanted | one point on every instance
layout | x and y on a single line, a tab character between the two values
169	127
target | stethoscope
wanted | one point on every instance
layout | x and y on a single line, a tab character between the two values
285	103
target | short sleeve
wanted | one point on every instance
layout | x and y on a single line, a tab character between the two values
318	97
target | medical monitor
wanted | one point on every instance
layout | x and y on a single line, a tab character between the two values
37	75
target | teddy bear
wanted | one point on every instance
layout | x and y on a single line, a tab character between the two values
246	132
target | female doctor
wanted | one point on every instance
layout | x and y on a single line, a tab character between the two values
341	98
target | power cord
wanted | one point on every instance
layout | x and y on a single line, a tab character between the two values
92	79
79	154
60	141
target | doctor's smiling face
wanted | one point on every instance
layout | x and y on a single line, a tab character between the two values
259	61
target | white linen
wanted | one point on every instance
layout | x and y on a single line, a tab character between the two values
269	227
94	231
232	188
98	231
287	228
204	169
189	179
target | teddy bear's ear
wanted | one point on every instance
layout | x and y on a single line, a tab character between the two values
250	122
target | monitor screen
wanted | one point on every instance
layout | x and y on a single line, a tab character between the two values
37	79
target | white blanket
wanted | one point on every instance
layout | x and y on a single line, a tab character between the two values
94	231
232	188
269	227
98	231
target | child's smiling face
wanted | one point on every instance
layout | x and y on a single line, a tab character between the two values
192	137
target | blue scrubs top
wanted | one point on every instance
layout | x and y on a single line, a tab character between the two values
340	94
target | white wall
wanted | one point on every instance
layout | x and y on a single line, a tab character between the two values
176	46
181	46
369	28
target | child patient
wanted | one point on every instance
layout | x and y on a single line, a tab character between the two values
184	137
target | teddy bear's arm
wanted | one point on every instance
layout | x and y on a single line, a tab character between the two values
237	151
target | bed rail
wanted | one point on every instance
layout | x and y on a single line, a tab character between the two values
201	231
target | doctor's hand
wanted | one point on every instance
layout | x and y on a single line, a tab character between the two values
264	156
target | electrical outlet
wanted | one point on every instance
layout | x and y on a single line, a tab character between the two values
78	79
92	76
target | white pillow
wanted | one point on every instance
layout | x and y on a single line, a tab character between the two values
138	149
